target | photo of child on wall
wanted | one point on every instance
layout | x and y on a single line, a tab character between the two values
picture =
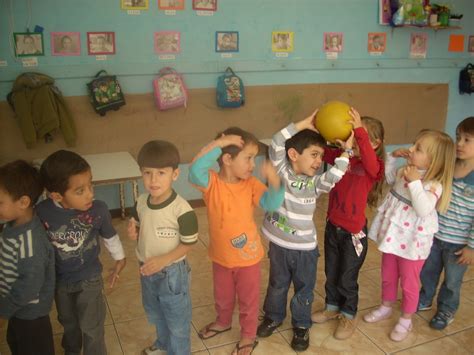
65	43
101	43
167	42
206	5
282	41
376	42
418	45
333	41
135	4
28	44
227	41
171	4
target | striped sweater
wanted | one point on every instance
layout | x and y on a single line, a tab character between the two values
292	226
457	224
26	272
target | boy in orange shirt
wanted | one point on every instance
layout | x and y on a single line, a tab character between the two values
235	249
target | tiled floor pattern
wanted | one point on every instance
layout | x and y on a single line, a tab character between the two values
127	330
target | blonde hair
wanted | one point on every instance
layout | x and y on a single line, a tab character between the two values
376	134
442	151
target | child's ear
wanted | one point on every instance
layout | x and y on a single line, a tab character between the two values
226	159
25	202
293	154
56	196
175	174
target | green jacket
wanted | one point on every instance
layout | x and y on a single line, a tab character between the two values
41	109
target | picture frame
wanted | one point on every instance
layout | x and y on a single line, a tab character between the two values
171	4
385	12
205	5
167	42
470	44
282	41
65	43
99	43
418	43
333	42
227	41
134	4
28	44
376	42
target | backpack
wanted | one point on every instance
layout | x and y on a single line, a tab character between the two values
230	90
170	90
466	79
105	93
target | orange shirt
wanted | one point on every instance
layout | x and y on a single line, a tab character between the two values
234	240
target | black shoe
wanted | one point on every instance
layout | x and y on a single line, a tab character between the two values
267	327
300	341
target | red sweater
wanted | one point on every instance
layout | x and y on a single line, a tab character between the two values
348	199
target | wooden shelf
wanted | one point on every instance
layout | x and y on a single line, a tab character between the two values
435	28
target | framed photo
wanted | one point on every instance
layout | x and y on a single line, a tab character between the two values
65	43
100	43
377	42
418	44
167	42
470	44
171	4
206	5
385	12
28	44
227	41
134	4
282	41
333	41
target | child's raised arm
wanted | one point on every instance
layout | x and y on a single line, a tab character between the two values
205	159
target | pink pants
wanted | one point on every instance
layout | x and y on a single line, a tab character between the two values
245	282
408	271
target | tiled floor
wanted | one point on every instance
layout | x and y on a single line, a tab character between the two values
127	331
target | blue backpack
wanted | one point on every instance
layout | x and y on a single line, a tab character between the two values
230	90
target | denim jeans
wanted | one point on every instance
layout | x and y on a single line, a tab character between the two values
342	266
286	266
167	304
442	256
81	311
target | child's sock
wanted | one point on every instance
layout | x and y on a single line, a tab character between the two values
384	310
405	322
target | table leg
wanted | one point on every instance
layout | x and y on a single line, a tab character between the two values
122	200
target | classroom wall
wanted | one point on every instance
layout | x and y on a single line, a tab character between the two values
136	63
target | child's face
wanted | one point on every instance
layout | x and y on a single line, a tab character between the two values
79	194
464	146
158	182
309	161
243	164
10	210
418	154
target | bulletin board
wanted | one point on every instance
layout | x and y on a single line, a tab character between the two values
404	110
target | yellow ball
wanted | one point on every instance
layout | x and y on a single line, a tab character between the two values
332	121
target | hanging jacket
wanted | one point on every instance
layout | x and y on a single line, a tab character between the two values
40	108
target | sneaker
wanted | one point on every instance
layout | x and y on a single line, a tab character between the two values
441	320
300	341
424	307
400	332
153	350
267	327
324	316
345	328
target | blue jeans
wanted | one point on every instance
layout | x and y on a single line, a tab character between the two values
442	256
288	265
167	304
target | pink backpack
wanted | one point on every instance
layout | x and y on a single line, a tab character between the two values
170	90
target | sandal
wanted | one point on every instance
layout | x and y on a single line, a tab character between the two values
239	347
208	328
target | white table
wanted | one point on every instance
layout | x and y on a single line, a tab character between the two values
113	168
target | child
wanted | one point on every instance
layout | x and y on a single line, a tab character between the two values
74	221
407	219
168	228
27	263
293	250
453	245
235	249
345	242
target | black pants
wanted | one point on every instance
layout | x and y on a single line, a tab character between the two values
30	337
342	267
